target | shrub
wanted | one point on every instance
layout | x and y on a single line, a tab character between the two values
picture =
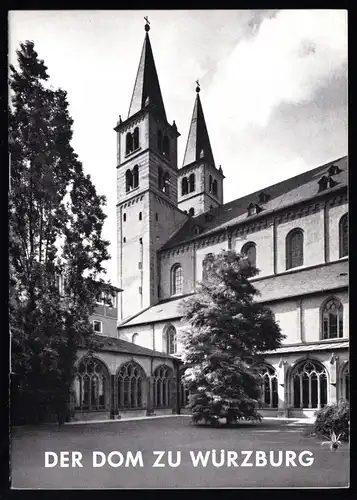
334	418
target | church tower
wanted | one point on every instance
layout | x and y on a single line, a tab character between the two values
147	178
200	182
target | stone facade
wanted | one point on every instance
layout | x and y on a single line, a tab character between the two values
297	234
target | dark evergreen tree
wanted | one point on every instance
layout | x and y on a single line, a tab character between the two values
55	224
227	335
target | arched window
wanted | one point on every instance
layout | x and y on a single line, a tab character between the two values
184	186
309	385
210	183
134	338
136	176
176	279
129	143
130	379
91	385
214	187
332	319
160	178
184	392
191	181
159	140
136	138
343	234
250	251
162	386
191	212
269	386
294	248
171	340
128	181
166	186
166	146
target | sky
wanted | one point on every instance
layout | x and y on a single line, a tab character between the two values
273	86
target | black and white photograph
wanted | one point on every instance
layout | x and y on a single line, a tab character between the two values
178	249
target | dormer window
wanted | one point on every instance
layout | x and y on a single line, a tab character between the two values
326	183
263	197
253	209
196	230
333	170
191	212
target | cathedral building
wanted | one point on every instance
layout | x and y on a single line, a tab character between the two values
169	217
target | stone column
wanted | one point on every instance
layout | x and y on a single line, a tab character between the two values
332	368
150	396
283	404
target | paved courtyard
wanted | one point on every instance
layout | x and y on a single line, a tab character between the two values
176	434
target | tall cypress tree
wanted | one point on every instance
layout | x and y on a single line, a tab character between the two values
55	220
226	336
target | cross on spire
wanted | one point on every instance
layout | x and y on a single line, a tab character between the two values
147	25
198	88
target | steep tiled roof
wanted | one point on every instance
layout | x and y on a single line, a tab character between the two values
146	83
310	347
300	188
198	144
117	345
322	278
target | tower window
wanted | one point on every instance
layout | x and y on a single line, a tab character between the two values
140	216
157	216
124	240
124	217
294	248
184	186
191	212
215	187
136	176
136	138
166	186
128	181
210	183
129	143
191	182
176	279
343	235
159	140
166	146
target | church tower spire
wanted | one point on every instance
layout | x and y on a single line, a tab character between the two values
147	88
198	144
200	182
147	178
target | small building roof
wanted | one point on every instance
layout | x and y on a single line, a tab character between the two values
112	344
325	346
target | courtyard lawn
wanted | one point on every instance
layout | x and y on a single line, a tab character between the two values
330	469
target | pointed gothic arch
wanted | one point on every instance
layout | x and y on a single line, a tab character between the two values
129	143
332	318
162	386
128	180
131	380
170	339
91	384
309	384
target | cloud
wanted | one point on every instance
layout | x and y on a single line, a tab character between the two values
285	62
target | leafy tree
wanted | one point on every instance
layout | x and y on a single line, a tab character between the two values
55	222
227	334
